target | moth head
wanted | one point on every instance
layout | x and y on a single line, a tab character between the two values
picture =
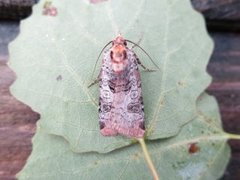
119	41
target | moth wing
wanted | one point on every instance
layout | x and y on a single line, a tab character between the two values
120	103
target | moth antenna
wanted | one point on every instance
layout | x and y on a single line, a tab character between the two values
99	57
135	44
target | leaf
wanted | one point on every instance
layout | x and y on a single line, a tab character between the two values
54	57
53	159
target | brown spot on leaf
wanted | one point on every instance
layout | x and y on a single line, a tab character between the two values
49	9
182	83
59	78
193	148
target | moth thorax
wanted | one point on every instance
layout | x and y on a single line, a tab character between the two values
118	68
119	58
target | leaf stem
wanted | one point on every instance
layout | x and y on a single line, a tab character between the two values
233	136
148	159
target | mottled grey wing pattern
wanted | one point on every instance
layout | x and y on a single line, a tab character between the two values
120	103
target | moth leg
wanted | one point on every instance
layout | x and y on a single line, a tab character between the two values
94	82
139	41
144	67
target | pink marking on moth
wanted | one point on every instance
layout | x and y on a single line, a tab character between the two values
49	9
121	109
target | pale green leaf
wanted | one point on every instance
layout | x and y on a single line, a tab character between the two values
52	159
53	58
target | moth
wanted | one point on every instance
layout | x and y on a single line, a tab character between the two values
121	109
